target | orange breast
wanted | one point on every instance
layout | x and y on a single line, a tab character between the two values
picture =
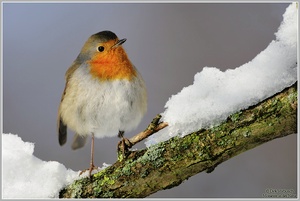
112	66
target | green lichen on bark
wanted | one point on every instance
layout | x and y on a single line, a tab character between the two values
169	163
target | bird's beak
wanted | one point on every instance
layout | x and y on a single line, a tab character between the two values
120	42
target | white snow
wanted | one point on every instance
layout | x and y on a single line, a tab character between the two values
215	95
26	176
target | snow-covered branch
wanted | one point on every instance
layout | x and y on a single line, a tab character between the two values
169	163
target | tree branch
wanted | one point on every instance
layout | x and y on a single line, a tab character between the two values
169	163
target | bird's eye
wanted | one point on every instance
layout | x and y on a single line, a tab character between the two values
100	48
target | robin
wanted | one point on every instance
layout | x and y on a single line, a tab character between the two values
104	95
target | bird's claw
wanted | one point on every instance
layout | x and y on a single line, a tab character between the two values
123	146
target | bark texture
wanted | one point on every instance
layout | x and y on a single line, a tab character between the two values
169	163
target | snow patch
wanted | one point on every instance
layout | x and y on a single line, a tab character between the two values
26	176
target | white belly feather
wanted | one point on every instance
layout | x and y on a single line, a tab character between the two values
103	107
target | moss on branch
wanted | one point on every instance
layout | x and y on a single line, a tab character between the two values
169	163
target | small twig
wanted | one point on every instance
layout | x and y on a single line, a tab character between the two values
152	128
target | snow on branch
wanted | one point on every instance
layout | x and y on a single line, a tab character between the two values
215	95
169	163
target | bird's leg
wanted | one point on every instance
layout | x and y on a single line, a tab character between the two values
124	144
92	166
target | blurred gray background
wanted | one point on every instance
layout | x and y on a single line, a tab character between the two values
169	43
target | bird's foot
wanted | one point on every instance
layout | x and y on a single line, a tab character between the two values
92	167
123	148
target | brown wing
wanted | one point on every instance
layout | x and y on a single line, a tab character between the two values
61	126
62	133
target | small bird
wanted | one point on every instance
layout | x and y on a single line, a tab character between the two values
104	95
